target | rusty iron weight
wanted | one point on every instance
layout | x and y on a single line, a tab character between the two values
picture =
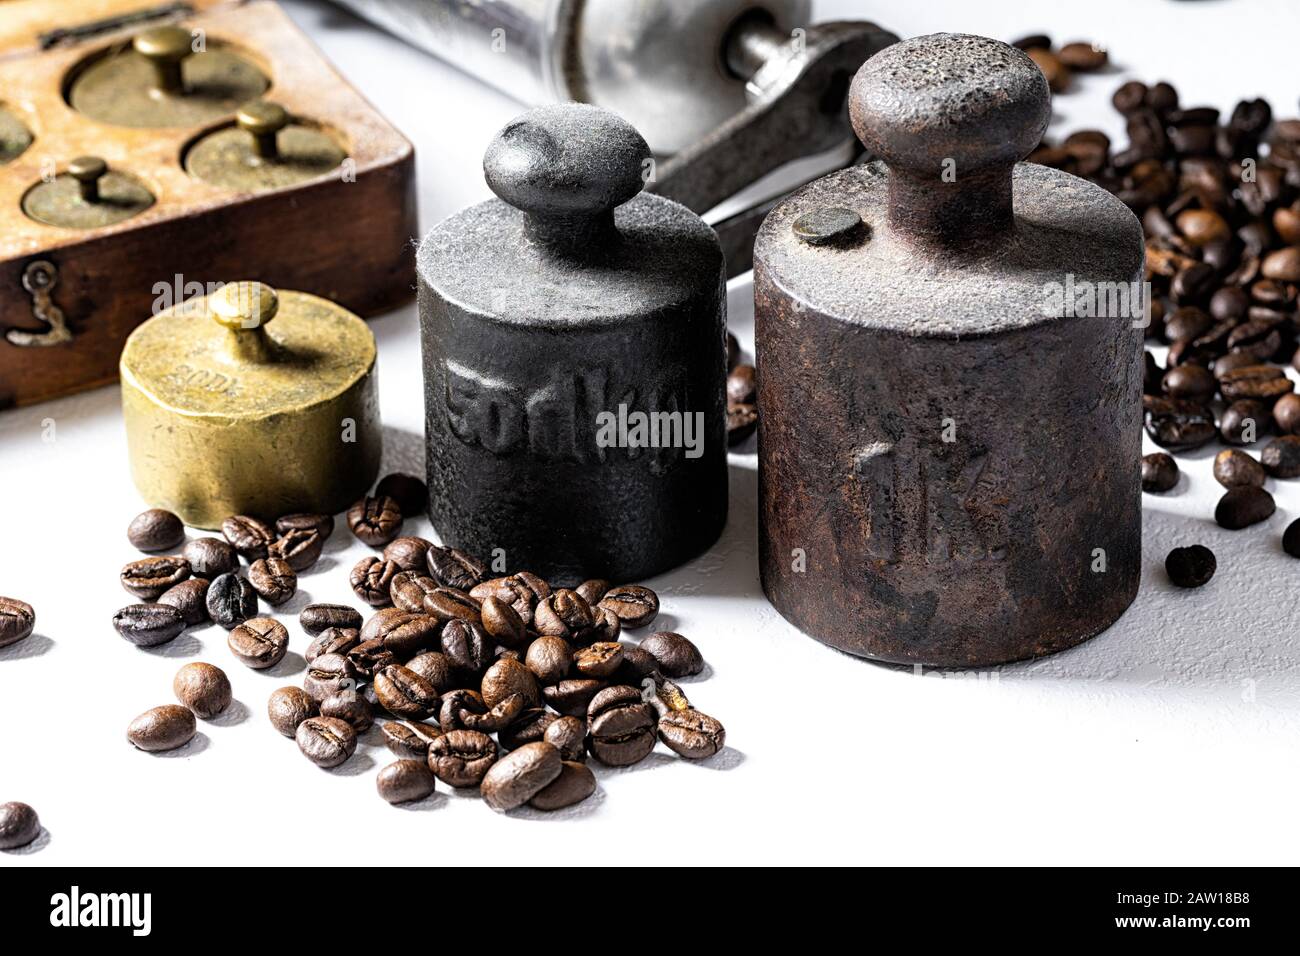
264	149
572	298
87	195
948	456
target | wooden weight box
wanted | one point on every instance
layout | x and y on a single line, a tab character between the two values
134	174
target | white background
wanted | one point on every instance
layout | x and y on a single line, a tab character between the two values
1172	738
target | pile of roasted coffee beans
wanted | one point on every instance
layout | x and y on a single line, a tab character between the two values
742	395
501	683
1219	201
1060	64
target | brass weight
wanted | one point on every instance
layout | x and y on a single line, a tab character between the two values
15	137
161	79
265	149
228	412
88	195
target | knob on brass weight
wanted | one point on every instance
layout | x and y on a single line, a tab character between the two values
88	195
265	149
167	76
249	401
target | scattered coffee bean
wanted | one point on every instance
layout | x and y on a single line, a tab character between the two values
332	640
210	557
288	707
1281	457
468	647
190	598
459	707
19	825
408	553
1177	423
638	664
461	758
409	739
155	530
17	621
330	674
1192	382
449	604
1159	472
409	492
530	726
1057	73
1233	468
349	707
273	580
563	614
1190	567
436	668
404	693
600	660
402	632
1265	382
518	776
676	655
375	521
507	677
259	642
249	536
573	696
742	421
1291	539
568	736
162	728
1242	507
503	624
575	783
635	606
620	726
452	568
203	688
1286	413
550	659
316	618
1084	57
326	741
148	578
1243	421
409	589
691	734
741	386
371	580
148	625
231	600
405	780
593	590
513	590
370	657
323	525
299	549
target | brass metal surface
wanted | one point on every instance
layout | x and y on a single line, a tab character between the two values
265	149
86	196
15	137
249	402
159	80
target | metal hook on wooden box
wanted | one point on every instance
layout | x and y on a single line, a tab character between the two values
39	279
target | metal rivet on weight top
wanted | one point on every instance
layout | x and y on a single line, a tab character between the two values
826	224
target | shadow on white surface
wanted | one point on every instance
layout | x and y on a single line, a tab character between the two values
32	646
36	846
196	745
184	644
232	716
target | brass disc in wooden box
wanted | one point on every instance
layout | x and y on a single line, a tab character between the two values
263	150
15	137
87	196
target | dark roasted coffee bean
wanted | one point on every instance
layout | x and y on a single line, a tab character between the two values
518	776
349	707
1130	97
409	492
273	580
508	677
370	657
1234	468
332	640
593	590
155	530
1084	57
1232	361
503	624
1229	303
1256	338
299	549
1162	97
1034	41
323	525
409	589
458	706
742	421
329	674
1192	284
1286	414
1281	457
529	727
148	578
1282	265
636	606
210	557
620	726
733	351
1159	472
740	386
1177	423
408	553
568	736
405	780
637	665
409	738
606	629
1193	382
1189	322
691	734
19	825
18	620
1254	381
468	647
1243	506
575	783
203	688
326	741
461	758
563	614
231	600
572	696
372	579
453	568
288	707
148	625
190	597
401	632
1244	421
404	693
1291	539
375	521
249	536
436	668
162	728
316	618
1056	72
1190	567
449	604
550	659
500	716
676	655
259	642
600	660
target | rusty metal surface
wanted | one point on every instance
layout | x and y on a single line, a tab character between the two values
944	458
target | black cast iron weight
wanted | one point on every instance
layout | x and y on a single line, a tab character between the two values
948	453
574	356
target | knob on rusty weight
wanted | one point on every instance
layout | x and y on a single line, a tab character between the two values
948	446
86	196
249	401
556	321
265	149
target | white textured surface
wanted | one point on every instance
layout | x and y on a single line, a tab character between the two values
1172	738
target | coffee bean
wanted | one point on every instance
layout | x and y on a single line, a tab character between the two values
375	521
1177	423
549	658
1189	322
17	621
288	707
249	536
1286	413
259	642
503	624
740	386
1281	457
148	625
300	549
1037	41
409	588
449	604
1192	285
435	667
405	780
273	580
638	663
326	741
1282	265
404	693
691	734
1057	73
410	493
1159	472
461	758
408	553
316	618
1233	468
210	557
676	655
600	660
459	707
453	568
530	726
162	728
592	590
1242	507
370	657
1291	539
1193	382
332	640
371	580
636	606
203	688
468	647
155	530
573	696
190	598
606	629
329	674
1130	97
402	632
231	600
575	783
498	717
1190	567
733	351
409	739
507	677
568	736
19	825
1243	421
349	707
742	421
148	578
323	525
518	776
1254	381
1084	57
620	726
519	591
